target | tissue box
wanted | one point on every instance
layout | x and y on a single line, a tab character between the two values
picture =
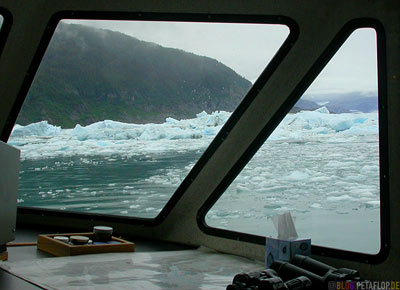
284	250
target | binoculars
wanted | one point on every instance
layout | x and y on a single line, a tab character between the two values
301	273
267	279
319	273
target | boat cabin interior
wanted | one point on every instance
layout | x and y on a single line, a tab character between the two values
203	132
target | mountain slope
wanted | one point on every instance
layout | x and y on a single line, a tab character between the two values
89	74
343	102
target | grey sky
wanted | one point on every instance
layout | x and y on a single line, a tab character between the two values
352	69
247	49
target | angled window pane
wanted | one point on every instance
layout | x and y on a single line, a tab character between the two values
321	163
120	111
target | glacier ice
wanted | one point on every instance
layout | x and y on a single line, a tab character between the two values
39	129
314	162
111	137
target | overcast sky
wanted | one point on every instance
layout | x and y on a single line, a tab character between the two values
247	49
352	69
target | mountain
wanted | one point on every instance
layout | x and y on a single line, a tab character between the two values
90	74
304	105
354	102
338	103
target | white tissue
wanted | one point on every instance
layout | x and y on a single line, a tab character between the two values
285	226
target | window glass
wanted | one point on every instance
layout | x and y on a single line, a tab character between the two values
1	21
120	111
321	163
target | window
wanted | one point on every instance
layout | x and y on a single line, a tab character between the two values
120	111
321	163
5	25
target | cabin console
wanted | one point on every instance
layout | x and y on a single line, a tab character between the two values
9	172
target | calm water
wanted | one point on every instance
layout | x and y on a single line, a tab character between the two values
137	186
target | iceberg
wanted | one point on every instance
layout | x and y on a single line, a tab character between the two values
41	129
312	124
203	125
41	140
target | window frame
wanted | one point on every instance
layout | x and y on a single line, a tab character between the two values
302	86
5	27
216	142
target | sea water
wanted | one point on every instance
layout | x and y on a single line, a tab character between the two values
322	167
137	186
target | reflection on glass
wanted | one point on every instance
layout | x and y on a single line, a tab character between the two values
321	163
1	21
119	111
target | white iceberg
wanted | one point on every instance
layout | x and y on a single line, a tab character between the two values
41	129
41	140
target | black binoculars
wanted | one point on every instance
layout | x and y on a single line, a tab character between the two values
266	280
319	273
301	273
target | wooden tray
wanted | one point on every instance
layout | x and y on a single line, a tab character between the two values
3	256
49	245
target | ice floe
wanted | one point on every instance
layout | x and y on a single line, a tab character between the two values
41	140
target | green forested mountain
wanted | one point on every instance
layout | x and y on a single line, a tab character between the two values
90	74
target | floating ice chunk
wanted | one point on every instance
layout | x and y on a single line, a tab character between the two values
284	208
361	120
321	179
148	209
361	192
320	122
172	129
297	176
170	120
341	125
355	178
258	179
42	128
153	133
212	120
339	198
367	169
373	203
323	110
335	163
102	143
202	114
241	188
80	133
